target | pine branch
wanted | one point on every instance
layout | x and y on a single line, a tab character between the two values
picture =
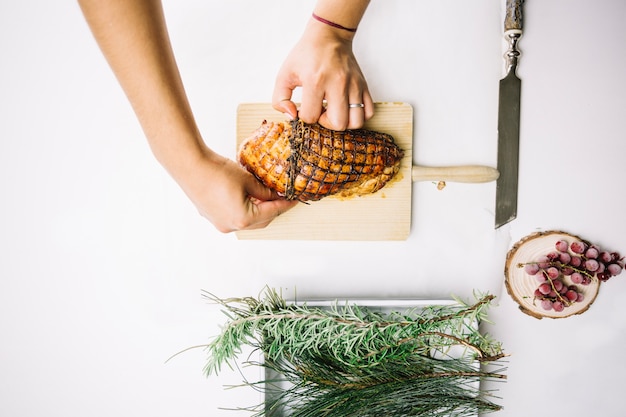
438	395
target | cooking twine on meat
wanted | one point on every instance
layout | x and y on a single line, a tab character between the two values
294	161
303	161
301	138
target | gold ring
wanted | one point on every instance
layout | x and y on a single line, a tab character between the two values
356	105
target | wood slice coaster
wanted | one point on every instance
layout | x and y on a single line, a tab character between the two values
521	286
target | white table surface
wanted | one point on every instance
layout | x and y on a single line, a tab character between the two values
103	259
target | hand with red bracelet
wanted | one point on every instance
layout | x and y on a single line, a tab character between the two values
334	90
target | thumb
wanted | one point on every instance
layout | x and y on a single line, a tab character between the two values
281	100
288	108
266	211
258	191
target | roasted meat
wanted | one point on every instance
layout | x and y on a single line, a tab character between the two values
308	162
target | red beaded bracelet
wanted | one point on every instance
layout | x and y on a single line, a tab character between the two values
333	24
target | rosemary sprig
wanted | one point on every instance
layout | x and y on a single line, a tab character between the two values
348	333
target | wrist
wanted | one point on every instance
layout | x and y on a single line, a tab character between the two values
341	16
191	168
332	24
180	154
318	30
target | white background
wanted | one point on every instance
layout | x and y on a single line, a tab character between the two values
103	259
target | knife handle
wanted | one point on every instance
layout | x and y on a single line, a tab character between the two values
460	173
512	33
513	17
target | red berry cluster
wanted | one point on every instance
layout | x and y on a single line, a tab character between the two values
578	260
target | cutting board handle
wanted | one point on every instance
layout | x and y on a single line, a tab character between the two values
460	173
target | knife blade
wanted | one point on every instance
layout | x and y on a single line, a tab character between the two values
509	119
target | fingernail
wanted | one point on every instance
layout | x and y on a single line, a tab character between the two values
288	116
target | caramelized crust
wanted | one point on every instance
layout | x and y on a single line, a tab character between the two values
308	162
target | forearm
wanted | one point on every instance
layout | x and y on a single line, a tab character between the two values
133	37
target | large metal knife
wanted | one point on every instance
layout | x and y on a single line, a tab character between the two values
509	119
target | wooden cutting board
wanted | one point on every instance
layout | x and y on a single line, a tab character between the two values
384	215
